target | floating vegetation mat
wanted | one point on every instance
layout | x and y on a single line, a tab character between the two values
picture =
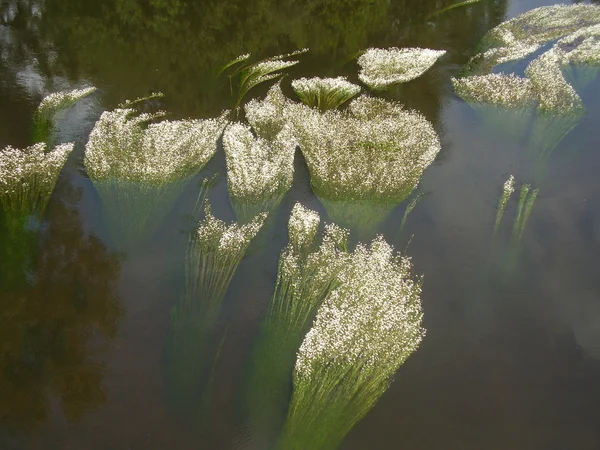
381	68
325	93
307	274
365	160
139	169
365	330
545	100
260	170
214	253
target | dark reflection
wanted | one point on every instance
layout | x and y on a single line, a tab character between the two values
53	330
133	47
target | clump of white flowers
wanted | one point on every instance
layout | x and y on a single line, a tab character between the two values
325	93
507	190
214	253
259	170
510	97
139	168
366	159
28	177
364	331
307	274
582	50
523	35
51	105
381	68
269	116
556	95
497	89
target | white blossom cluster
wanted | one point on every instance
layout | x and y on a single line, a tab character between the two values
381	68
507	91
124	147
371	321
61	100
507	189
325	93
556	94
268	117
215	236
575	27
27	177
375	150
582	46
258	167
302	226
259	171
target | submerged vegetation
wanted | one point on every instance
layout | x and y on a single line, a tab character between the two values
46	113
307	274
214	253
545	99
365	330
507	190
365	160
140	168
259	170
325	93
526	200
381	68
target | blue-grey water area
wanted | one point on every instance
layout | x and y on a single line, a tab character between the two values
511	359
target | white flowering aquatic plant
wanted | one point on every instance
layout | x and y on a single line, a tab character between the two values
325	93
365	330
306	275
364	160
260	171
510	98
381	68
214	253
250	75
507	190
45	115
139	168
268	117
582	51
28	177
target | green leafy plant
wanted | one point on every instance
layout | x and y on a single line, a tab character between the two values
325	93
244	76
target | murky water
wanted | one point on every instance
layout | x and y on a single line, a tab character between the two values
512	354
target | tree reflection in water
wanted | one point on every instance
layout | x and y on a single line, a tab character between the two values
54	328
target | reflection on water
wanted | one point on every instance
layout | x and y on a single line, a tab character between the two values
507	362
53	326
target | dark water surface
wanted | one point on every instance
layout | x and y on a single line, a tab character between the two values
512	354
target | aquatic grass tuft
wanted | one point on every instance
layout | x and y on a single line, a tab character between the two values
381	68
365	330
28	177
214	253
260	171
306	275
140	168
507	190
364	160
45	115
325	93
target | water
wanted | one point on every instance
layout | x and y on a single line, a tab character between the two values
512	353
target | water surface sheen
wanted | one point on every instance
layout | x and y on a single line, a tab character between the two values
511	359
